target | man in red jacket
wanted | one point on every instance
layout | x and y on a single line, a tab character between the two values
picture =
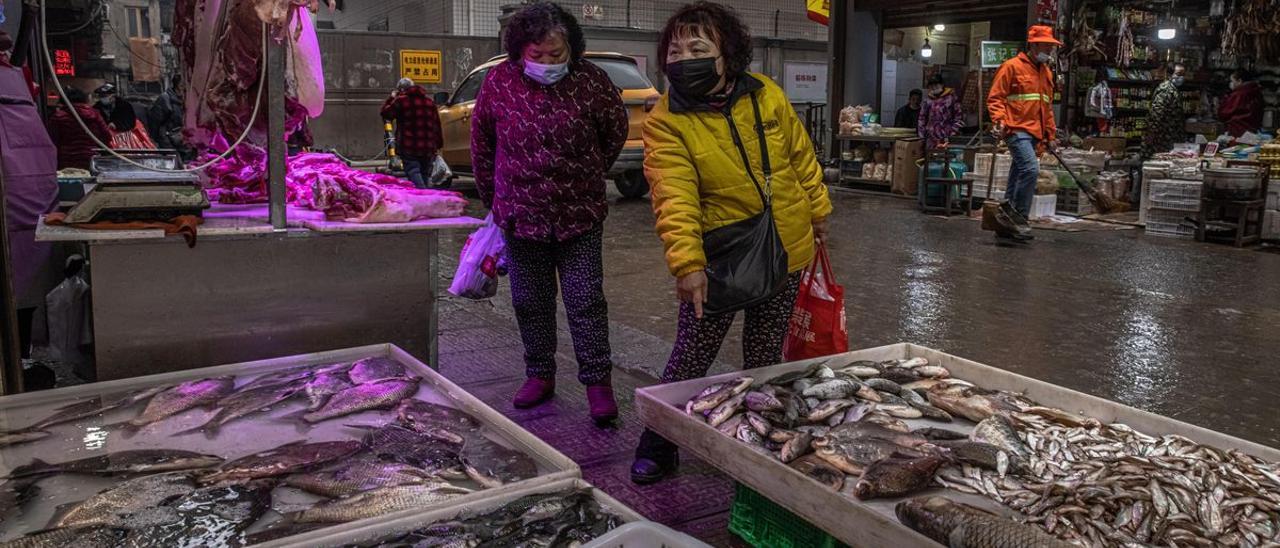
75	147
1241	109
418	135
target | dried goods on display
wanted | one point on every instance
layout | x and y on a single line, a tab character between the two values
1252	29
875	430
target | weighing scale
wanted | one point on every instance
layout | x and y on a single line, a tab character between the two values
126	192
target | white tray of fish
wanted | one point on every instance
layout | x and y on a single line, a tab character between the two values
253	452
902	445
543	510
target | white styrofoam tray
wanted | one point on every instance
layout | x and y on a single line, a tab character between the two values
374	529
89	437
872	523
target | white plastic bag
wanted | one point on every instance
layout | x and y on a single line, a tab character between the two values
440	172
477	274
69	333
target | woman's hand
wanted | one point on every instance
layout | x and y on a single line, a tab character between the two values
820	229
692	288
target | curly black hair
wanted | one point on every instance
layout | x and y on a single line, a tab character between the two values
534	22
719	21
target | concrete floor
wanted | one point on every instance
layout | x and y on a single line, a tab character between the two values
1174	327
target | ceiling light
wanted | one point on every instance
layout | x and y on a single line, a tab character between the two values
939	27
1168	33
926	51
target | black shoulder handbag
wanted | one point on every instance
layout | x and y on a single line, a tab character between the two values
746	262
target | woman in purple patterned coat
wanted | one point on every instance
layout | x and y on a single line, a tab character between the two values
547	126
941	116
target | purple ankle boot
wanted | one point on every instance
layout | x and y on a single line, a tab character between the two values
604	409
534	392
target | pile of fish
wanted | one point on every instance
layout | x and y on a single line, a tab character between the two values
1109	485
567	518
427	454
836	419
845	426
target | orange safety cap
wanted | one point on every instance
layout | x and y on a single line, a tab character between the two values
1041	34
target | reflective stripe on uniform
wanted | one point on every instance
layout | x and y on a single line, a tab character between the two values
1030	97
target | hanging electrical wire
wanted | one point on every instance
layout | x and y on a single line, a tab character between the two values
62	94
93	17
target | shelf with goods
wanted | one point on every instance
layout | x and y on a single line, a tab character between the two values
879	160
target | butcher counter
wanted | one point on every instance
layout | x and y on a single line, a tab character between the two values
246	291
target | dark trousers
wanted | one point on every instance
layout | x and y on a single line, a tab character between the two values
533	267
413	166
698	341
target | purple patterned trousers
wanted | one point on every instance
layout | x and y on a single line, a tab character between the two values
533	267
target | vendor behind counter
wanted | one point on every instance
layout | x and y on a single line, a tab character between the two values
1241	109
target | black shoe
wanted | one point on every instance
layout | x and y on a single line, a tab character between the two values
646	471
1013	213
1007	227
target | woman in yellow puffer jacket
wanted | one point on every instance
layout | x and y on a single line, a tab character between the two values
699	182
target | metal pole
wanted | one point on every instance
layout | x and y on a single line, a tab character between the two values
628	13
275	133
10	345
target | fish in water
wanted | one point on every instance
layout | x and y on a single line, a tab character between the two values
896	476
77	537
72	412
493	465
395	443
954	524
438	421
378	394
285	459
113	507
288	376
998	431
375	369
137	461
820	470
378	502
324	385
348	478
212	516
21	436
245	403
183	397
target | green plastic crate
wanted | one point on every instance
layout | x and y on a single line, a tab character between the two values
763	524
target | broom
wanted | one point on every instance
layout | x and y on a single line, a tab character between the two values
1103	203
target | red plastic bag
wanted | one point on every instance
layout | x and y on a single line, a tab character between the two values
818	321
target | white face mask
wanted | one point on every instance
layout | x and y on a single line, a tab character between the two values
1043	58
546	74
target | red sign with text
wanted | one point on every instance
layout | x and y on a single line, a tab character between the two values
62	65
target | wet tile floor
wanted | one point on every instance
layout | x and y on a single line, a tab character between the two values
1179	328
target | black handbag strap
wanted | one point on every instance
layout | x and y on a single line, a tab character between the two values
765	191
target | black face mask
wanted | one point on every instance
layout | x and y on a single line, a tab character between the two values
694	78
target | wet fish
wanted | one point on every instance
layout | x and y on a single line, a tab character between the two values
922	385
378	502
867	393
1062	417
856	430
322	386
285	459
21	436
375	369
138	396
854	455
378	394
212	516
796	448
895	476
857	412
759	424
761	402
955	524
781	435
820	470
793	376
70	413
278	378
348	478
884	385
969	402
395	443
910	363
244	403
725	410
900	411
931	412
997	431
730	426
984	455
824	410
14	493
832	389
115	506
137	461
886	421
900	375
493	465
183	397
863	369
748	434
82	537
940	434
710	399
438	421
932	372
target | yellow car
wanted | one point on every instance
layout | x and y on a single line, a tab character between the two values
637	93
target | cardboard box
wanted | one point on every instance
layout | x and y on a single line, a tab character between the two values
906	175
1112	145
